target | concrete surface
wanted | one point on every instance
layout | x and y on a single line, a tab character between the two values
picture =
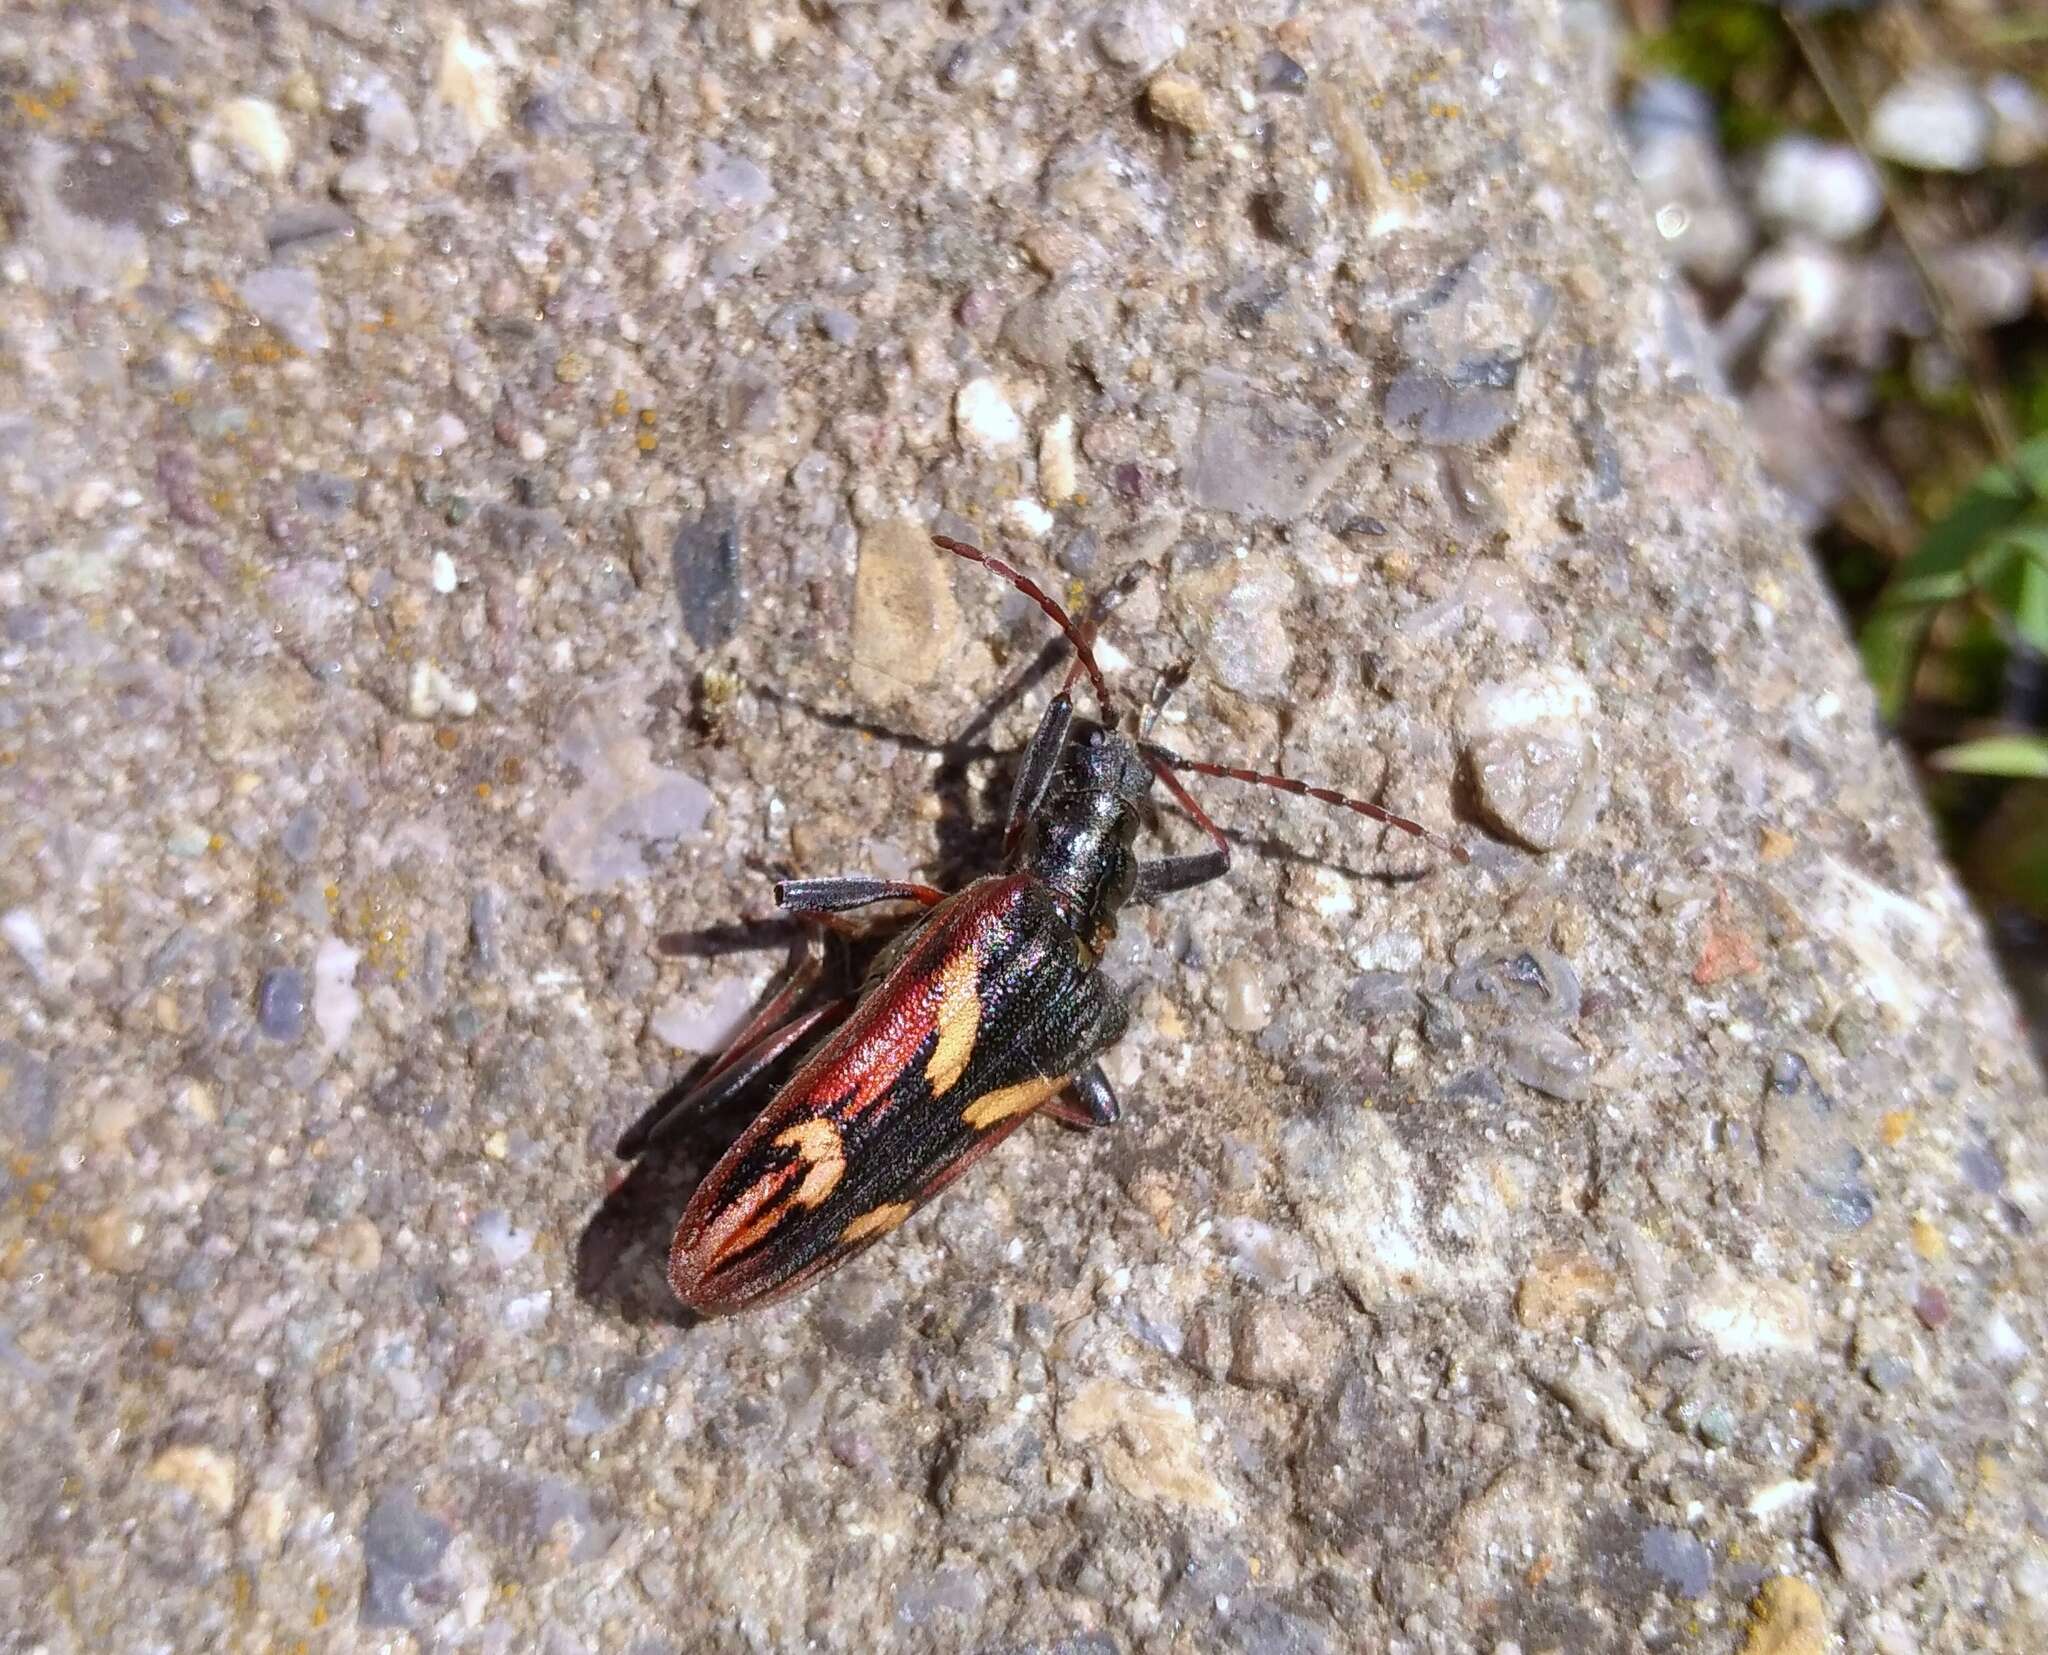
463	472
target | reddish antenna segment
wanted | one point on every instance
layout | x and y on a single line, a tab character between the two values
1076	635
1164	762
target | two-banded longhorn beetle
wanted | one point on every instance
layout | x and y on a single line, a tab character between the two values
990	1006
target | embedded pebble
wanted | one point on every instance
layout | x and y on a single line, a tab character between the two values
503	1241
1179	100
706	559
254	130
403	1546
1879	1538
1934	121
1602	1396
287	300
206	1474
467	82
705	1018
905	617
1678	1560
1247	999
1059	466
985	420
1139	34
602	832
336	1003
1787	1618
1534	758
1258	455
281	1003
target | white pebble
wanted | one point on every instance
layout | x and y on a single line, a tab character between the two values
468	84
431	692
336	1003
985	419
1828	189
1059	468
444	573
254	131
1029	519
1934	121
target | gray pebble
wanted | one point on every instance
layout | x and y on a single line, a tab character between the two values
1465	409
305	225
1277	72
281	1001
1878	1538
1549	1061
288	302
1678	1560
706	558
301	837
402	1547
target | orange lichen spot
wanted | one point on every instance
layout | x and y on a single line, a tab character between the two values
483	790
446	739
958	1017
878	1222
1006	1101
1893	1127
646	414
646	442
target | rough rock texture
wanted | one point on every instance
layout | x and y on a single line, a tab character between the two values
441	456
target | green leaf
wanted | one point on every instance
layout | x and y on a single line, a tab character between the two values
2013	755
2032	463
1890	644
1941	565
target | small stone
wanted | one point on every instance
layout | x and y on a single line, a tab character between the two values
1888	1373
1059	466
1743	1317
1289	216
1934	121
571	368
1562	1290
1140	34
254	132
600	835
1246	998
281	1003
984	420
705	556
206	1474
1716	1425
336	1004
467	83
705	1018
1828	189
1277	72
402	1550
113	1242
1548	1060
305	226
1466	408
1179	100
1147	1443
388	122
1602	1396
905	617
1281	1346
730	182
1533	756
1678	1560
1989	283
1787	1618
2019	121
288	301
1931	1305
1879	1538
1257	455
442	574
431	694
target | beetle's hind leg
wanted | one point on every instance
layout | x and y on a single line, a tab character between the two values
768	1034
1088	1102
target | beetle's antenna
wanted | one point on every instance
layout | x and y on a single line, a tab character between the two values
1076	636
1159	756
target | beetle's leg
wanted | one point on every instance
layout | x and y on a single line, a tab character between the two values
1088	1102
1041	759
1180	873
836	895
733	1075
